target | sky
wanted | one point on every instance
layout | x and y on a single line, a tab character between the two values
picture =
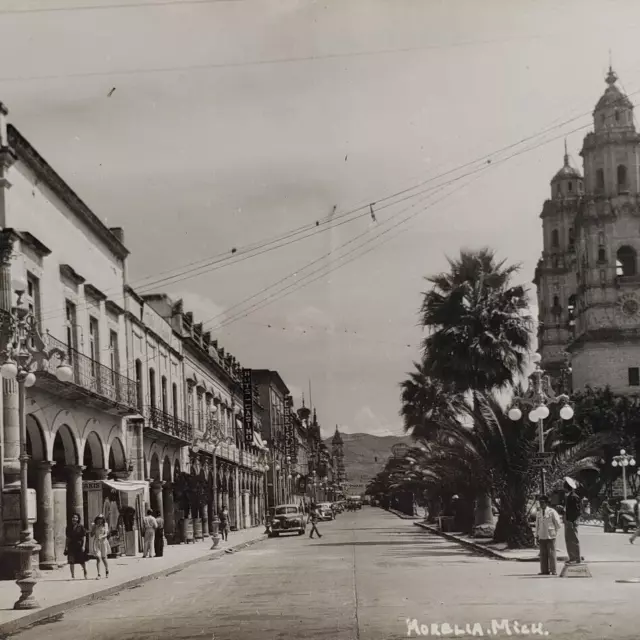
206	126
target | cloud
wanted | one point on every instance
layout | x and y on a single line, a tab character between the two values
366	421
310	317
203	308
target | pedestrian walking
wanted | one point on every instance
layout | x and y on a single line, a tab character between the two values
75	546
313	519
547	527
572	508
224	523
149	526
100	548
636	513
159	538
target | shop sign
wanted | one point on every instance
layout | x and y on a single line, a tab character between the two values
247	395
288	429
91	485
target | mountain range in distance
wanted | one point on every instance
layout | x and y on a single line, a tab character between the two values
364	456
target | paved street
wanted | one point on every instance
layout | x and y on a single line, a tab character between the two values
367	575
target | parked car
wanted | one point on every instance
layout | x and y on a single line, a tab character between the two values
622	518
325	512
287	518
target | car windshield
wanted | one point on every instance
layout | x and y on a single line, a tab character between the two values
282	511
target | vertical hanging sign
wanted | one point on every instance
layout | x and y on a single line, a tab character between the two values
288	428
247	395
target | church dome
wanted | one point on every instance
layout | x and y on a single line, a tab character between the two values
612	96
337	438
567	172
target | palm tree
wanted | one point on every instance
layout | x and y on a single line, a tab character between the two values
480	329
479	332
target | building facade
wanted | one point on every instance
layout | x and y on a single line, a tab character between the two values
73	268
214	401
597	289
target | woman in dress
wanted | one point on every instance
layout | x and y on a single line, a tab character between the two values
100	544
224	523
74	547
158	541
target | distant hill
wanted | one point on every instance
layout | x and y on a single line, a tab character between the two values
365	455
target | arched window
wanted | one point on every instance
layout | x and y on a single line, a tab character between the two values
600	179
152	387
163	391
139	383
622	177
626	261
600	238
556	309
602	255
555	239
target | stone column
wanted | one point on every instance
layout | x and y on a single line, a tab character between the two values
168	513
74	493
205	520
155	498
46	516
59	521
245	509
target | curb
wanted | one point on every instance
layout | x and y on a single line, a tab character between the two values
57	610
474	546
404	516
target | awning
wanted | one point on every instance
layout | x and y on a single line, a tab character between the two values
126	485
239	423
261	443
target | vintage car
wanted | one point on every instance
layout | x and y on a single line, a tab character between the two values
325	512
287	518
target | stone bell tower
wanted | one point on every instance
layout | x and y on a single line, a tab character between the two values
337	453
606	346
555	275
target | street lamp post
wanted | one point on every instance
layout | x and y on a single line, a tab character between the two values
540	396
624	460
24	352
213	436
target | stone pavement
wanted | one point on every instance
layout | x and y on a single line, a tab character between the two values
57	592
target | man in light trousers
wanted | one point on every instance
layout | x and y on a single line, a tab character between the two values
571	517
547	526
149	526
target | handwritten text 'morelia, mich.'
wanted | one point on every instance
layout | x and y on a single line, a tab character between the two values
476	629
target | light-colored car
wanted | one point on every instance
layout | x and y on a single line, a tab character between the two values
325	512
287	518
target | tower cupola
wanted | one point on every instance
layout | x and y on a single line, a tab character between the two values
614	110
567	182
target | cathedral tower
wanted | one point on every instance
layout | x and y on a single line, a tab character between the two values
606	346
555	275
337	453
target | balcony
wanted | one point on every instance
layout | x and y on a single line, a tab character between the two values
93	384
173	428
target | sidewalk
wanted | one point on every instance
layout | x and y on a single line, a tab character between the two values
500	551
57	592
404	516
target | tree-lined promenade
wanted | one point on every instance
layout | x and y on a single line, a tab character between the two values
456	401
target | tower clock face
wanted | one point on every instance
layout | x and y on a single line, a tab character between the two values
629	306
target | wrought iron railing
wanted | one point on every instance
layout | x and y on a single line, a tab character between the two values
169	424
95	377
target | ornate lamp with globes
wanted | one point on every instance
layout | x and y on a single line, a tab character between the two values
24	354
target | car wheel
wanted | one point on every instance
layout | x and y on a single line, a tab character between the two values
270	535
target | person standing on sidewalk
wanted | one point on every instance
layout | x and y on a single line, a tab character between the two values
547	527
149	526
313	519
636	513
572	508
100	547
224	523
159	539
74	547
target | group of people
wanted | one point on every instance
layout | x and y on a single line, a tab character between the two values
548	525
80	547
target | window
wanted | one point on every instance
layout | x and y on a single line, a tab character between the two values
602	255
572	312
555	239
617	116
174	399
152	387
139	383
600	179
163	390
572	237
634	377
622	178
94	344
114	355
626	261
601	238
33	297
570	186
71	324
